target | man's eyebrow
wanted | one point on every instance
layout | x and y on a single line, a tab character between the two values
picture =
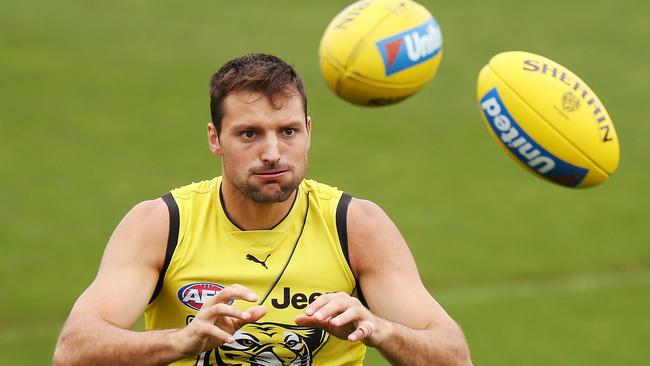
244	125
293	123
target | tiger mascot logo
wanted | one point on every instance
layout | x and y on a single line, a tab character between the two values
272	344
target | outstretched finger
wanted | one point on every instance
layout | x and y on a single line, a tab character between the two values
320	301
254	314
231	293
333	308
236	292
348	316
309	321
211	313
213	333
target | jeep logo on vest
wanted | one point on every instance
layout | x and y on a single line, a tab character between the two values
298	300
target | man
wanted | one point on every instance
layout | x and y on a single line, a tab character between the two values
258	266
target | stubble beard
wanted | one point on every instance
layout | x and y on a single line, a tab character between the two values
258	194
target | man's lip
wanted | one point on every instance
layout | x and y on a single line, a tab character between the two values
270	175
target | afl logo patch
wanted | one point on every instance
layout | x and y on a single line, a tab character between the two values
196	294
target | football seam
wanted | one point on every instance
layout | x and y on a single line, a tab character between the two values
356	50
547	123
374	82
380	82
345	73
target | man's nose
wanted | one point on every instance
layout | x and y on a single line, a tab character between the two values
271	150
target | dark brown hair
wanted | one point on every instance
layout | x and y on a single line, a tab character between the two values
260	73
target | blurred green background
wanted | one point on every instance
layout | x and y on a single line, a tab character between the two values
104	104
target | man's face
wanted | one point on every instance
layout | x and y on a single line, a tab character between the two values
263	149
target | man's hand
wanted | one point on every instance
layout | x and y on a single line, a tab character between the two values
345	317
217	321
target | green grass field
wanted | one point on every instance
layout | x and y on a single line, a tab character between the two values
104	104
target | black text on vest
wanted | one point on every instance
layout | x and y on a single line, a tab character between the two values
298	300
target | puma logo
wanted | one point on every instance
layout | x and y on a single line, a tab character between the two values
252	258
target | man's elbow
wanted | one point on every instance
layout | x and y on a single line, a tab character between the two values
456	350
459	350
65	352
461	355
60	357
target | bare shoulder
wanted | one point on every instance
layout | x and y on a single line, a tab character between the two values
372	237
380	260
129	268
139	241
366	220
361	211
154	213
144	229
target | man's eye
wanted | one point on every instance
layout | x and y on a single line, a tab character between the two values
248	134
289	131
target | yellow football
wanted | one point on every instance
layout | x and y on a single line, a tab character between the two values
547	119
380	52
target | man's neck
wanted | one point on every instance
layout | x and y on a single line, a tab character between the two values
250	215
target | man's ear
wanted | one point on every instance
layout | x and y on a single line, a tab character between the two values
213	140
308	125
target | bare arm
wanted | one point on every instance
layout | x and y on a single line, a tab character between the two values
98	330
408	327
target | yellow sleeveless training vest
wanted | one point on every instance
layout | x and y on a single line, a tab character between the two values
305	255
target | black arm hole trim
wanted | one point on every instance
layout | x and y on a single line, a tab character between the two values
360	295
172	240
342	231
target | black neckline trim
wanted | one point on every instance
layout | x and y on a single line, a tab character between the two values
223	207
